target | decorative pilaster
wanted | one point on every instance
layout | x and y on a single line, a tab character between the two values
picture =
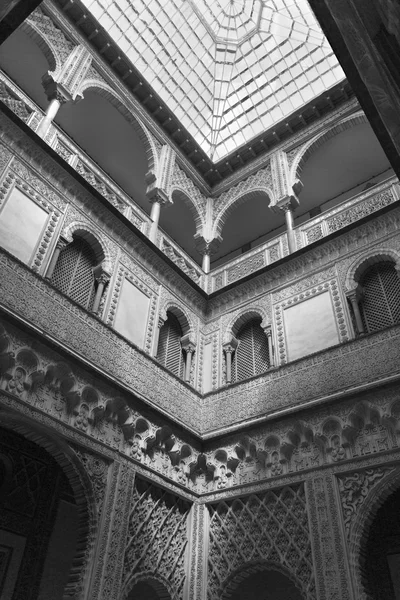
285	199
229	349
329	551
65	85
198	552
111	544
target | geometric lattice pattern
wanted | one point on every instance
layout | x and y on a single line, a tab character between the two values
157	535
380	306
252	356
270	527
73	273
170	353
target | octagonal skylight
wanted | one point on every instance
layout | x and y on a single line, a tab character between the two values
228	69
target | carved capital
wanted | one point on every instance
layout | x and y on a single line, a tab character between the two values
188	344
206	246
158	195
55	91
231	346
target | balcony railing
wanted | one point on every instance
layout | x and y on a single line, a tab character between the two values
274	249
31	114
344	214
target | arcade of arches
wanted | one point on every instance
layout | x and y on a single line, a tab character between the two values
199	358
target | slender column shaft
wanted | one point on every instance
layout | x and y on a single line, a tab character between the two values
206	263
289	229
51	112
53	262
155	217
99	293
270	349
228	367
188	365
357	314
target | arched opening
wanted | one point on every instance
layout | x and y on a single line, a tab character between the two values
252	354
381	552
343	166
267	584
248	224
170	352
74	272
380	303
39	521
105	135
25	63
149	590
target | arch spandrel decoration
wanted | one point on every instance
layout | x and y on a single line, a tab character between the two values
362	493
83	493
157	582
244	315
106	91
94	238
233	200
258	567
367	259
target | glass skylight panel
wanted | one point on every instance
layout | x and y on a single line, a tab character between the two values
228	69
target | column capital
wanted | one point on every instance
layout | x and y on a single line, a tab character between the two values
188	344
289	203
62	243
231	346
101	275
354	295
54	90
159	196
205	246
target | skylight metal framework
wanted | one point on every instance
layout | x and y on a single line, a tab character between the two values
228	69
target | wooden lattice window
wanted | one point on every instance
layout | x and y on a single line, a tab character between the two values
73	273
170	353
251	356
380	306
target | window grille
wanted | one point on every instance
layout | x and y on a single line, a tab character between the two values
380	306
252	356
170	353
73	273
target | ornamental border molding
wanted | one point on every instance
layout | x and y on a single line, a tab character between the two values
376	252
115	293
262	308
11	181
340	320
69	230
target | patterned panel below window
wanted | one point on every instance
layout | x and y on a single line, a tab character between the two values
251	357
380	307
74	275
170	352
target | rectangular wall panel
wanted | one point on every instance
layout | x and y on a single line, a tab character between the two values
21	225
310	326
131	317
